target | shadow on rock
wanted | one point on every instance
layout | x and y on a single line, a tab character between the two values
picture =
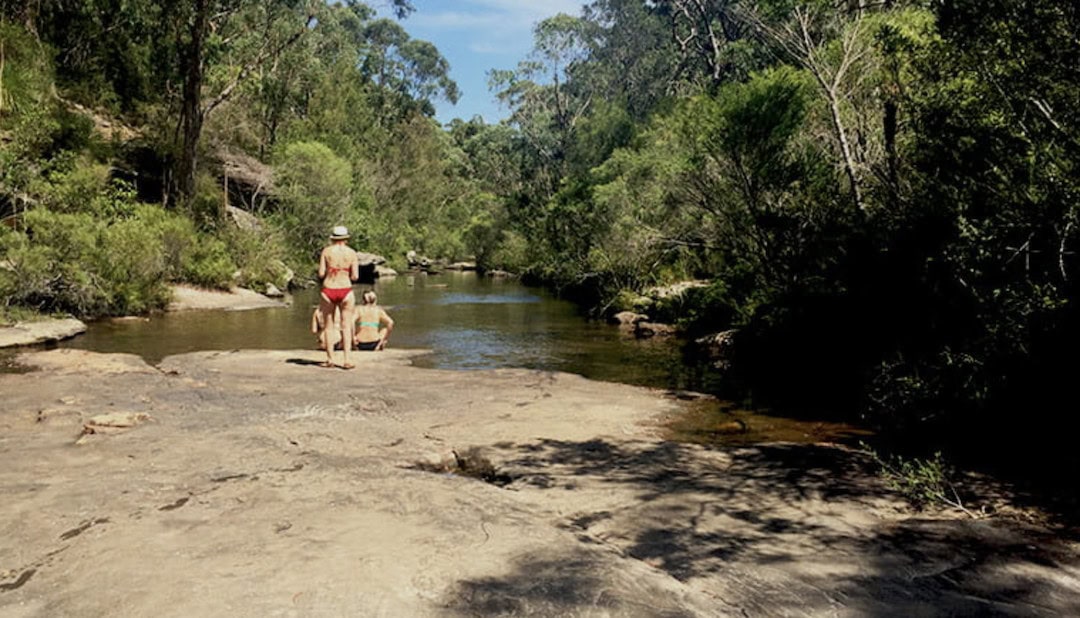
779	526
584	583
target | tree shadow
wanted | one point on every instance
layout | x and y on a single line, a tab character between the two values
777	526
574	583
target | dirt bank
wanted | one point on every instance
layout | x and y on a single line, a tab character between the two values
258	484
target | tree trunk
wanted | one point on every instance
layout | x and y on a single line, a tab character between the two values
889	128
845	149
191	114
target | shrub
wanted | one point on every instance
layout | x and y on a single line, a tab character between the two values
259	256
922	482
189	256
74	263
511	253
208	264
314	187
131	265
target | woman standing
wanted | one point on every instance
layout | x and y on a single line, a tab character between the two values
339	266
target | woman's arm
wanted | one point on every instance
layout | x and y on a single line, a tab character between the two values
387	324
354	268
322	264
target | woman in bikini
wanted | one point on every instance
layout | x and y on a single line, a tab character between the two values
339	266
373	322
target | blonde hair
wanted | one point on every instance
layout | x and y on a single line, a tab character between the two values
370	298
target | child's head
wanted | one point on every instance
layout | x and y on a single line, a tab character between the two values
370	298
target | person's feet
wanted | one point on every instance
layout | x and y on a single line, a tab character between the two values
348	366
326	364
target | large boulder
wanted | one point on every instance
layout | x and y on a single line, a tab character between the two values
370	259
627	318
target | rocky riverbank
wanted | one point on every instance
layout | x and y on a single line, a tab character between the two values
46	330
187	298
256	483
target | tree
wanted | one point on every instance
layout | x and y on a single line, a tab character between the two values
406	71
217	20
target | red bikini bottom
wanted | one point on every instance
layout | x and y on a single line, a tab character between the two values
336	295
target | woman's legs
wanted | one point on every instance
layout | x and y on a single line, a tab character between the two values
347	324
326	310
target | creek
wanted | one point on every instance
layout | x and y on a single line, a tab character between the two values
470	323
466	321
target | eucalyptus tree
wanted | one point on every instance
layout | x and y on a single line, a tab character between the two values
632	60
408	72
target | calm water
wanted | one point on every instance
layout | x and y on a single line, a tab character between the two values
467	322
470	323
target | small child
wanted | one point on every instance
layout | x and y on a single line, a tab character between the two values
317	327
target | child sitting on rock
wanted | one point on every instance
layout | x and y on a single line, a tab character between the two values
317	328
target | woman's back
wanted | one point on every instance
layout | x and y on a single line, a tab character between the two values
340	264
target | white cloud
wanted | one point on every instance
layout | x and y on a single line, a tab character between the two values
530	11
454	20
520	15
493	27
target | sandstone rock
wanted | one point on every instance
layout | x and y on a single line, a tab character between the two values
499	274
438	461
59	416
653	329
370	259
385	271
113	422
243	219
68	360
675	289
188	297
42	331
272	291
462	266
627	318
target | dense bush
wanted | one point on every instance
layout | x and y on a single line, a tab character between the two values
260	258
314	187
76	264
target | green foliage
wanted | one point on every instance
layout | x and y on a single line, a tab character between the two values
922	482
260	257
701	309
314	186
188	255
27	72
76	264
510	254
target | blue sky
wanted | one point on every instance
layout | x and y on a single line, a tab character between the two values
476	36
